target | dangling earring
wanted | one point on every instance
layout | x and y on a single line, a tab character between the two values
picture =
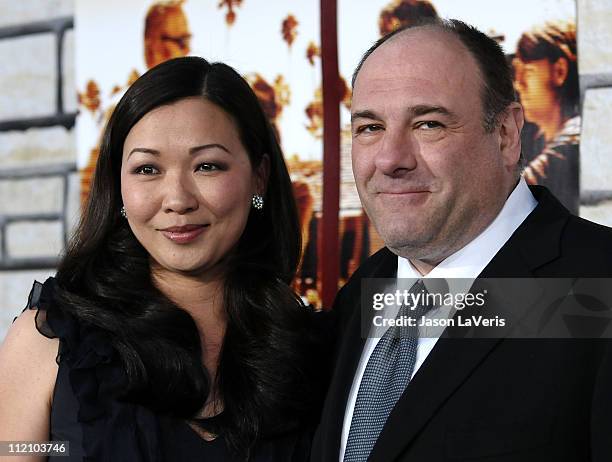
257	201
123	212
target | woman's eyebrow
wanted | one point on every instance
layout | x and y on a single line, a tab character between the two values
192	151
155	152
208	146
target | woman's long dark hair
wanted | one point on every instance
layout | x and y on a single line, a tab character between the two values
267	362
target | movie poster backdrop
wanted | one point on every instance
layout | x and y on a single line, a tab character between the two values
275	45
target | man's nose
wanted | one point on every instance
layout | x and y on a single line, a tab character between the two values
397	154
180	194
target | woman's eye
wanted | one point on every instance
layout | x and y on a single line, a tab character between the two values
146	170
206	167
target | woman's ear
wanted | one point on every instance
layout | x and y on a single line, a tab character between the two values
262	173
560	69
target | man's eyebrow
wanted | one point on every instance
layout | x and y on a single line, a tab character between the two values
366	114
413	111
424	109
192	151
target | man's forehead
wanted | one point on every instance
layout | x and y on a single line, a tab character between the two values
423	52
392	89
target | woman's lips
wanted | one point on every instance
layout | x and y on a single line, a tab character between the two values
183	234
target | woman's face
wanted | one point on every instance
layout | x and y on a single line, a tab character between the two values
187	184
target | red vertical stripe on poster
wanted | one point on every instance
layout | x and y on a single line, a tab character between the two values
329	248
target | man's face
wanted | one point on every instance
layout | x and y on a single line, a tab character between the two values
429	176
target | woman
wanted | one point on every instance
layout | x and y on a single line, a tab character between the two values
546	78
178	335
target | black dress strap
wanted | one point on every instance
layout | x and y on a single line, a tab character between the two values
40	297
34	296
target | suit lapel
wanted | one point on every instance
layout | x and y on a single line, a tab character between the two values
535	243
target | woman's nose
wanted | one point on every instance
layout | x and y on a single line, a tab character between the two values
180	195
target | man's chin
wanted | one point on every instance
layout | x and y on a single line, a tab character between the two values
412	249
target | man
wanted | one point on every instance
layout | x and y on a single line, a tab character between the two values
436	158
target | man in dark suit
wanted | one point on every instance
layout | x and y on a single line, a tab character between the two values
436	158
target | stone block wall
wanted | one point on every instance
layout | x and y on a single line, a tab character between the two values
595	67
38	179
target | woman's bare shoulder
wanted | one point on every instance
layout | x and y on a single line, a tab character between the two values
27	360
23	338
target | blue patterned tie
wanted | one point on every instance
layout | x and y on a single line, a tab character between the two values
385	378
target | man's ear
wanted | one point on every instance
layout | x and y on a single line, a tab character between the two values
560	69
510	127
262	174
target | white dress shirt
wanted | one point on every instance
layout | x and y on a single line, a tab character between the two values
467	262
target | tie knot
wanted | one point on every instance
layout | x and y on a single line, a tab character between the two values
417	303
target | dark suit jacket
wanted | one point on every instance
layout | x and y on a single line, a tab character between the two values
493	399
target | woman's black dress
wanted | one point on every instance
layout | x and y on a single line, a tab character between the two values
99	427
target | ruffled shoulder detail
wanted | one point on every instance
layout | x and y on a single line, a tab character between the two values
112	429
39	299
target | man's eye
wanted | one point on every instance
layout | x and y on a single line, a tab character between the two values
429	125
370	128
146	170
